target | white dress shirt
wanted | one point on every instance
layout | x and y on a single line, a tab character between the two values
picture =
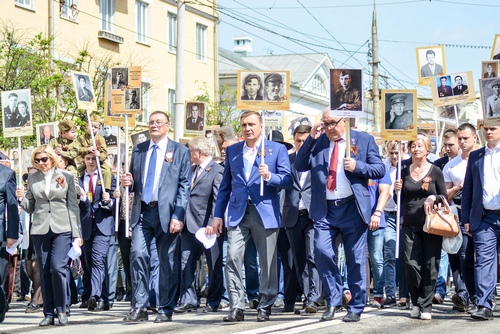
161	152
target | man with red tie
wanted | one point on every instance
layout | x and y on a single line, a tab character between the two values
340	204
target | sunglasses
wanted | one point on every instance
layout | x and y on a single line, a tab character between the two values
44	160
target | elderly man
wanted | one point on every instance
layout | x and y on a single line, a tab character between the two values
194	122
340	204
398	118
346	97
272	87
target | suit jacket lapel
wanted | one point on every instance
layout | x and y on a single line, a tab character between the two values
166	165
142	162
203	172
480	165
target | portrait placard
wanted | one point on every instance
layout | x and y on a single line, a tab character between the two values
495	50
293	121
45	132
110	119
110	134
273	118
195	117
346	93
263	90
126	97
17	114
119	78
85	96
453	89
490	95
430	63
140	137
399	116
489	69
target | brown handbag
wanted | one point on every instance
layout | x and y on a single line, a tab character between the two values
442	222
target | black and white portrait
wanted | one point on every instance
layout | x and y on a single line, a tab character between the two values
195	116
140	137
119	77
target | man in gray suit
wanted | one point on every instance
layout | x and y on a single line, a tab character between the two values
300	228
9	229
207	175
160	172
431	69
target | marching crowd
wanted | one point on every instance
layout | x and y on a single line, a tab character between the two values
316	226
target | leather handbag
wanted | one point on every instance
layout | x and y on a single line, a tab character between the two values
442	222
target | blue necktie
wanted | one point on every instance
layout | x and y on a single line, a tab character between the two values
150	176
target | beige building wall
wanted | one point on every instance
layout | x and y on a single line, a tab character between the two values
158	63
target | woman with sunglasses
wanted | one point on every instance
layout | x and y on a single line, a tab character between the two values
51	198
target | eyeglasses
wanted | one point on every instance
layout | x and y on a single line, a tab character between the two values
157	123
43	160
332	123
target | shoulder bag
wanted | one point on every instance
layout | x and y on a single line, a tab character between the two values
442	222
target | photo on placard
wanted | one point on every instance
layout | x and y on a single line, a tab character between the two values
490	68
443	84
209	134
85	95
122	157
119	78
195	117
263	90
133	99
490	95
292	122
346	93
495	51
399	117
140	137
110	134
14	158
45	132
430	63
27	157
453	88
17	113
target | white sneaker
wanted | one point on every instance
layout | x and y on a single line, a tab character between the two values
415	312
426	316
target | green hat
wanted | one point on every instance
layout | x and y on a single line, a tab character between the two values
66	125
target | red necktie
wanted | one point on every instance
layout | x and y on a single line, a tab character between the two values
91	184
332	169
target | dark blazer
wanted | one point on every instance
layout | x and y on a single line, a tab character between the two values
174	182
464	90
472	192
42	140
314	156
441	162
103	213
9	228
111	140
445	91
204	192
235	189
293	196
197	125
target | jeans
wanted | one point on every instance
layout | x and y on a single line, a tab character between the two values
376	251
390	254
441	287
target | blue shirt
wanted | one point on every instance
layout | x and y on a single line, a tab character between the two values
374	194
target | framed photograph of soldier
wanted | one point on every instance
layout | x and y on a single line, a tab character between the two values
346	93
195	117
263	90
119	78
489	69
45	132
14	157
209	134
430	63
140	137
453	89
399	116
133	100
85	96
17	114
115	165
110	134
127	98
110	119
495	51
490	96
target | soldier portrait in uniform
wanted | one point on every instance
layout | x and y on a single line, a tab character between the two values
399	116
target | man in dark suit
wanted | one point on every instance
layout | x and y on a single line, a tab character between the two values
460	88
10	111
207	176
97	230
340	204
46	135
194	121
9	228
489	71
481	217
300	228
109	137
250	214
160	177
444	90
431	69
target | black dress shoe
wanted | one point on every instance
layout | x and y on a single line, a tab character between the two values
262	315
136	316
107	307
84	304
482	314
234	316
351	317
311	308
100	307
472	309
2	314
288	308
209	308
329	314
91	304
47	321
163	318
185	308
63	319
253	304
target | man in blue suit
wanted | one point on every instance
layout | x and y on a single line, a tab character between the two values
160	177
481	217
251	215
340	204
97	228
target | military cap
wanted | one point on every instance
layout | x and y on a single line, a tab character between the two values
273	77
398	98
66	125
494	83
95	118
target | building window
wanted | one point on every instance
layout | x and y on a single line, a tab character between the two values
146	102
171	103
318	85
201	42
172	32
68	9
30	4
107	8
142	21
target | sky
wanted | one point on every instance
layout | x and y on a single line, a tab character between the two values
342	29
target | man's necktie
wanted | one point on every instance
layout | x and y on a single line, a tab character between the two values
150	176
90	194
196	170
332	169
459	87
